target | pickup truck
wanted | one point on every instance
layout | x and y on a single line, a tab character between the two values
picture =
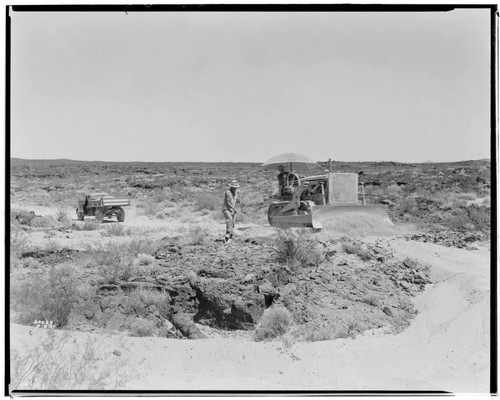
102	205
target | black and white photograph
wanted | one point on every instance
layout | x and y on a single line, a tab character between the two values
251	199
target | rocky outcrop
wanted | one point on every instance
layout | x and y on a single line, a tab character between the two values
185	324
228	305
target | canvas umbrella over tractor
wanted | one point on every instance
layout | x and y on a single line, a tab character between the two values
328	201
291	161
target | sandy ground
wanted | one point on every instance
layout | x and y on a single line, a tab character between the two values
445	348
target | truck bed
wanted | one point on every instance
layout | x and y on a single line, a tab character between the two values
115	201
108	201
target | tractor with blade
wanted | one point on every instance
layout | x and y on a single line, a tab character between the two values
328	202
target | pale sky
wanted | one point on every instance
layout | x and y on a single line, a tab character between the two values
242	87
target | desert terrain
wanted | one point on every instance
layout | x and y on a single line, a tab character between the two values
160	302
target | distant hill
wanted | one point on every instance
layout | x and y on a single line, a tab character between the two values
64	161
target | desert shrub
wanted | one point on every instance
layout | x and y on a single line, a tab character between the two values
161	215
393	190
142	327
43	222
30	263
480	217
317	335
114	273
172	212
296	247
459	221
91	225
374	191
145	259
52	245
151	208
251	199
357	248
181	192
207	201
19	243
353	328
142	246
62	218
371	300
116	229
406	206
87	291
22	217
149	270
159	195
48	297
469	218
49	234
15	262
114	261
187	219
50	366
275	322
149	297
197	235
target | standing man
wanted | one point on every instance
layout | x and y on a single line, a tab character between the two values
228	209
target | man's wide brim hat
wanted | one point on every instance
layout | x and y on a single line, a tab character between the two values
234	184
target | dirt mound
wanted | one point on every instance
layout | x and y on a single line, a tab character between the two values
355	224
351	288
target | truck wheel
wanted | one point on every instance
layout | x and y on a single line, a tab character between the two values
120	215
80	216
99	214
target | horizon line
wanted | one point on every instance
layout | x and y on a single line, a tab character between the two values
246	162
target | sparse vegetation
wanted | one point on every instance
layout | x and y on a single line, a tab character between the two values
153	209
145	259
114	262
116	229
19	243
49	296
22	217
142	327
318	335
43	222
149	297
372	300
322	283
62	218
197	235
51	366
90	225
406	206
296	247
207	201
351	246
275	322
142	246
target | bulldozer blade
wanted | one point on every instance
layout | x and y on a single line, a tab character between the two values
291	221
353	220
